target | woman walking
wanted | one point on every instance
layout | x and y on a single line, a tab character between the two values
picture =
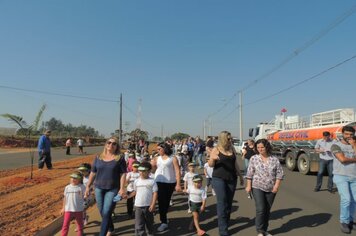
167	177
108	170
264	176
226	170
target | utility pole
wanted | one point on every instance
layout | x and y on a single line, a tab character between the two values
162	131
204	128
139	123
120	125
240	108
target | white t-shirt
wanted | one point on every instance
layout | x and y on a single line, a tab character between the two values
188	177
130	178
165	172
74	197
85	180
196	194
80	142
144	191
209	170
326	146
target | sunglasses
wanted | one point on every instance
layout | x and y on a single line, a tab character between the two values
112	143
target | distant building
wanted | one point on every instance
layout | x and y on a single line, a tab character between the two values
7	131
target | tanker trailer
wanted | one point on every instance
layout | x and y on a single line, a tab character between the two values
293	139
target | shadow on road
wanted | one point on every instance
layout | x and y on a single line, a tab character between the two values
244	222
309	221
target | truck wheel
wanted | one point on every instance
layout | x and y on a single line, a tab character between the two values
291	162
303	164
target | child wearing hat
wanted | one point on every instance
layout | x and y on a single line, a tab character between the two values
84	169
208	172
73	203
130	161
197	201
130	179
145	192
188	179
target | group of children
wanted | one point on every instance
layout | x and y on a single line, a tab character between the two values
141	193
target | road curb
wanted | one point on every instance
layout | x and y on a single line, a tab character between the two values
52	228
56	225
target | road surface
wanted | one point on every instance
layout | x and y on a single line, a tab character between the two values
22	158
297	211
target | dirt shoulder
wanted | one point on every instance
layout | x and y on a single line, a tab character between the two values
28	205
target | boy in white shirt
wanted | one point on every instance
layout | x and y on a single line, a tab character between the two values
188	179
73	203
145	192
208	171
197	201
131	177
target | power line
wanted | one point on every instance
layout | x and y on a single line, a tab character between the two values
75	96
225	104
58	94
293	85
134	114
295	53
306	45
303	81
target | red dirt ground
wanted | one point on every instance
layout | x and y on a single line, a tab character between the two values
28	205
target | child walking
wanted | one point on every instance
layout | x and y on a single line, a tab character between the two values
188	180
84	169
130	179
73	203
208	172
145	192
197	201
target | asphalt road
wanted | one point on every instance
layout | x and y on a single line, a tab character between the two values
297	211
22	159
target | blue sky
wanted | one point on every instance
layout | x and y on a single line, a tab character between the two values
185	59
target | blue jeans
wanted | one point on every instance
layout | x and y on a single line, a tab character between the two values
246	161
225	191
346	187
198	158
325	164
264	202
105	205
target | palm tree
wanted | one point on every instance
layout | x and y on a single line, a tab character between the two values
27	129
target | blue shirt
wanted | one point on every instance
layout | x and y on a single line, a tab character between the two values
44	143
108	173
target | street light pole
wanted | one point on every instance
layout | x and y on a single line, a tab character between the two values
240	108
120	125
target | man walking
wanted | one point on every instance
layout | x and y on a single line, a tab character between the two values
344	170
44	151
326	161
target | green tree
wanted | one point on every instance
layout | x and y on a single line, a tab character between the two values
179	136
157	139
138	134
26	129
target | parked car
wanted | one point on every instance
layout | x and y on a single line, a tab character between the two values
239	145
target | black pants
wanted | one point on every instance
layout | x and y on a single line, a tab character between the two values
165	191
45	158
143	220
130	204
264	202
68	151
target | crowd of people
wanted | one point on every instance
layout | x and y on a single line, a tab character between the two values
147	181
